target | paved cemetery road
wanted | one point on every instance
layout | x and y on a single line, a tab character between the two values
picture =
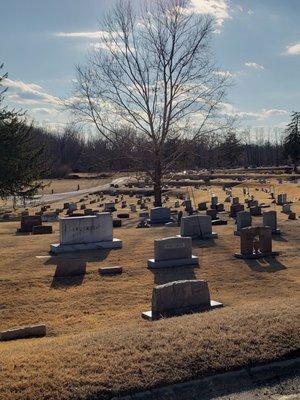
52	198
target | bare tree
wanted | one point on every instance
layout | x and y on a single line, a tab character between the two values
153	70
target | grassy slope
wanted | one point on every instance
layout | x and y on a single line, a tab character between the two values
106	363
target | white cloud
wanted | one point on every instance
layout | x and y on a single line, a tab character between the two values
293	49
218	8
250	12
83	35
254	65
230	110
28	93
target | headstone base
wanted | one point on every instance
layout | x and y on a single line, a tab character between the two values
256	256
194	260
159	221
219	222
207	236
153	317
68	248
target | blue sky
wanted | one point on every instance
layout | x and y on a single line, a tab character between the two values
257	42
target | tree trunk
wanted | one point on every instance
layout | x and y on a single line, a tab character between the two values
157	184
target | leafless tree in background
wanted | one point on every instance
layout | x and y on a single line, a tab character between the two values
152	70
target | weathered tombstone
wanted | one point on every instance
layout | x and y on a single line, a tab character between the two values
243	220
144	215
50	217
123	215
180	297
123	204
117	223
270	219
86	233
133	208
28	222
282	199
72	207
235	208
70	267
227	199
255	210
173	252
235	200
24	332
286	208
197	226
109	207
202	206
214	201
110	270
160	215
292	216
213	213
219	207
256	242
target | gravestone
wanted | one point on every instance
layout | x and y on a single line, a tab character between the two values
256	242
243	220
188	206
214	201
286	208
117	223
173	252
219	207
227	199
28	222
235	208
212	213
110	270
235	200
50	217
24	332
270	219
180	297
72	207
86	233
160	215
292	216
255	210
282	199
197	226
109	207
202	206
133	208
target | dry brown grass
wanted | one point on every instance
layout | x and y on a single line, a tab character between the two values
97	343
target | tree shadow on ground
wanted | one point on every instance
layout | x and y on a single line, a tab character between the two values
265	265
166	275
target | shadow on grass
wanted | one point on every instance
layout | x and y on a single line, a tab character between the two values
201	243
84	256
166	275
278	238
265	265
66	282
71	267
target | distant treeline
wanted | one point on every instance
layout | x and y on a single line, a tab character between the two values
68	152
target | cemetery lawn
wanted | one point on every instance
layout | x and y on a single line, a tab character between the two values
97	344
